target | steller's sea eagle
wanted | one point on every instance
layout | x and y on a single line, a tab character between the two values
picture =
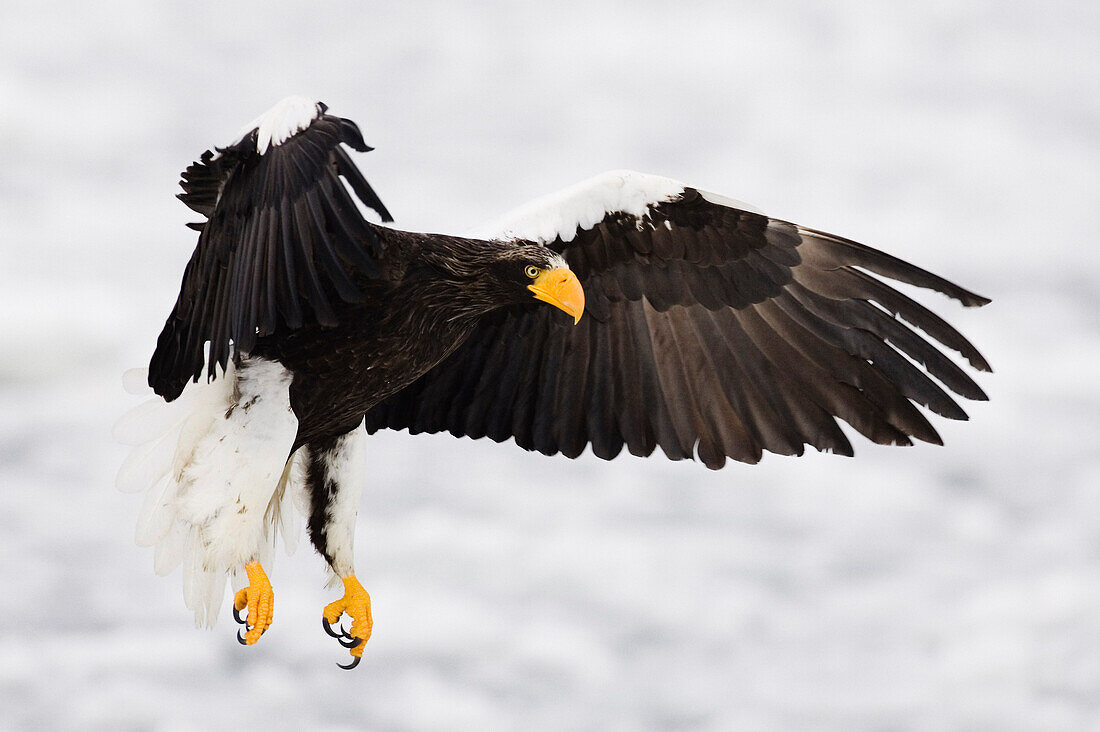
709	330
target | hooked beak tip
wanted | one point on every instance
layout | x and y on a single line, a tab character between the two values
560	288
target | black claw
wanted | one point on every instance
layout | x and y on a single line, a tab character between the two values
330	631
237	616
240	639
349	642
351	665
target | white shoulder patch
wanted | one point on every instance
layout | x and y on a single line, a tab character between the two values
730	202
278	124
582	206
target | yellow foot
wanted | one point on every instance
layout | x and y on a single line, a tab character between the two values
356	603
259	598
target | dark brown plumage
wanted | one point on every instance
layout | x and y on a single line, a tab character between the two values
725	332
709	330
430	296
281	244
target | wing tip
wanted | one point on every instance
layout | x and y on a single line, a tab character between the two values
974	300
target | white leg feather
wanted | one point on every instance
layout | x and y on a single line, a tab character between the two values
346	467
212	463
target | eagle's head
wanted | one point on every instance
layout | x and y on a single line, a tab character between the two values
494	274
529	270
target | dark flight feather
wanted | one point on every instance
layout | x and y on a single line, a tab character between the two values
281	240
709	331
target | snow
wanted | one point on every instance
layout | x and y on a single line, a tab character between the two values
920	588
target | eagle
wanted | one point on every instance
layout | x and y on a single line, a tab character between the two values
628	311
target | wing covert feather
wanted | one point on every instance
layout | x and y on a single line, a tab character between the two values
283	241
710	332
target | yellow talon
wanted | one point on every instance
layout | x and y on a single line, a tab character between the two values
259	598
356	603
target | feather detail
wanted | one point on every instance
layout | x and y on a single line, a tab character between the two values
219	488
710	331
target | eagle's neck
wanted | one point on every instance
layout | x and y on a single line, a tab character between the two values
452	279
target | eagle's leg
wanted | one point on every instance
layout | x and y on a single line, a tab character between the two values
259	599
356	603
336	468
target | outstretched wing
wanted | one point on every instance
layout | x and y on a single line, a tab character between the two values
709	329
283	238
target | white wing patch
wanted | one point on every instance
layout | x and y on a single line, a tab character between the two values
211	463
585	204
278	124
729	202
582	206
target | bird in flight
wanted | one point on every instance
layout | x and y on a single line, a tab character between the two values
627	311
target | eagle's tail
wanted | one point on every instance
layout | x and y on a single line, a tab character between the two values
217	484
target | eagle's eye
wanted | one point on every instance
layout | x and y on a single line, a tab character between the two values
531	271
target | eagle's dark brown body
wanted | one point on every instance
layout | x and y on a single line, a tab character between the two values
425	301
711	331
411	317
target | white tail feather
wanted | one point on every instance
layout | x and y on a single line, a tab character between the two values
154	417
153	524
218	487
169	551
136	381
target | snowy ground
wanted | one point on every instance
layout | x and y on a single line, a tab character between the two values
927	588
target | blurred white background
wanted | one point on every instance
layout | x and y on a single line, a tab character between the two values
924	588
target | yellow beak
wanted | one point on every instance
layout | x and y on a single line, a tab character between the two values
561	288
